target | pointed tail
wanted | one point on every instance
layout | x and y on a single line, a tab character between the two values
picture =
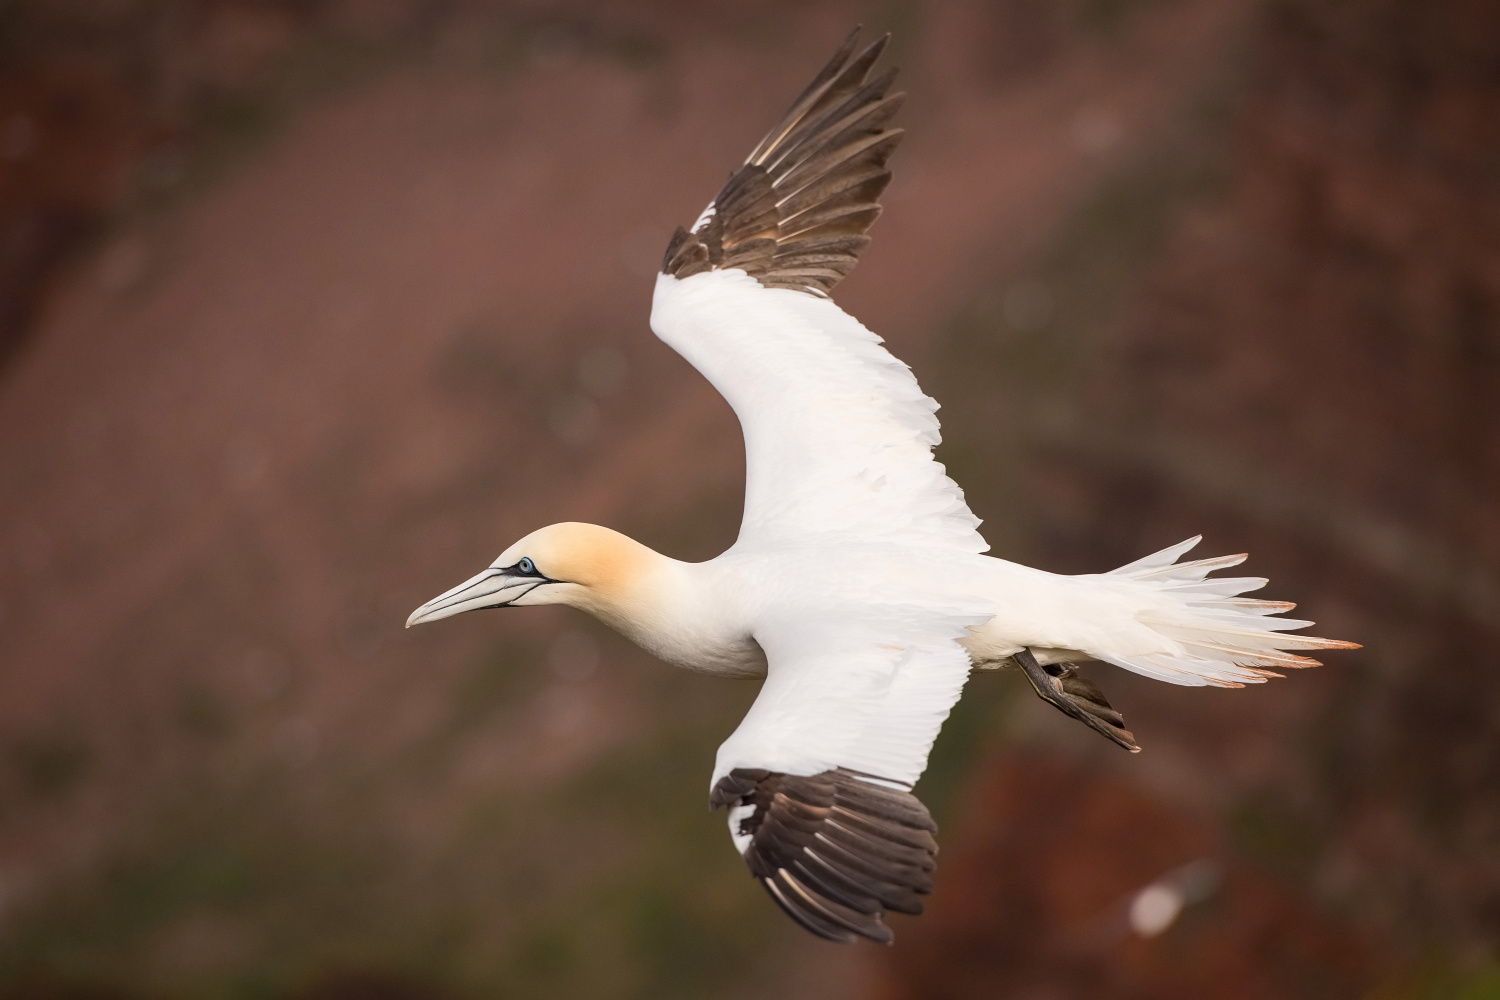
1219	637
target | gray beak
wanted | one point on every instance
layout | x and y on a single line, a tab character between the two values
494	588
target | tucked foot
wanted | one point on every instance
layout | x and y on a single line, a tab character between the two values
1061	686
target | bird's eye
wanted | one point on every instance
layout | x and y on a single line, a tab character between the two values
526	566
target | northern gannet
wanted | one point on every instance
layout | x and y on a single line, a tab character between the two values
857	586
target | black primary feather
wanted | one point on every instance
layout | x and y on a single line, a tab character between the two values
835	850
796	213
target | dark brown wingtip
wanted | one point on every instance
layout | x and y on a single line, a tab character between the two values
835	850
862	62
809	95
836	64
796	214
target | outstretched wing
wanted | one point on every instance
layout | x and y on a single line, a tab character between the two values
838	435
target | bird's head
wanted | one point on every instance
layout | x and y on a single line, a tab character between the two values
582	565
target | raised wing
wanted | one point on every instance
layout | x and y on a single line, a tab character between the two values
838	435
796	213
818	775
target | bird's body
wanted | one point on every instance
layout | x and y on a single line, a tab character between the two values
858	587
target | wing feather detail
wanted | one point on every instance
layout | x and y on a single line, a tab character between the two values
838	435
795	214
834	850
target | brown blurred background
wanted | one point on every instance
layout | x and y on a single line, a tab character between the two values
309	308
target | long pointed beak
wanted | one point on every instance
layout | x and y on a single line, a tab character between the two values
494	588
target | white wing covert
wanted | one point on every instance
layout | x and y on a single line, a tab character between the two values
838	435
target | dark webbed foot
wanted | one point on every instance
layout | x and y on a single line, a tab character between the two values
1061	686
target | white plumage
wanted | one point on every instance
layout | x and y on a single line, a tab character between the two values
858	587
838	435
845	502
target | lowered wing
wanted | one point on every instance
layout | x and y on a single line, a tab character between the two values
818	775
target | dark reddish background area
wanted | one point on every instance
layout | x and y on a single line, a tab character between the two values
308	309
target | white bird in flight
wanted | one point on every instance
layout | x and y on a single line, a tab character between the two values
857	587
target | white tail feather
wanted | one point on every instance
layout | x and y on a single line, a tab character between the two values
1219	637
1249	606
1155	560
1195	570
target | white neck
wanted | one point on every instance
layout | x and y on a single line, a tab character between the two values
688	614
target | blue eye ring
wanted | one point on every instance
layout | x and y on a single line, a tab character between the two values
526	566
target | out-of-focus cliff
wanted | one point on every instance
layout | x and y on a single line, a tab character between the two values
1303	363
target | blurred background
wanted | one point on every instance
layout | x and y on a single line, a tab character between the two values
309	308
